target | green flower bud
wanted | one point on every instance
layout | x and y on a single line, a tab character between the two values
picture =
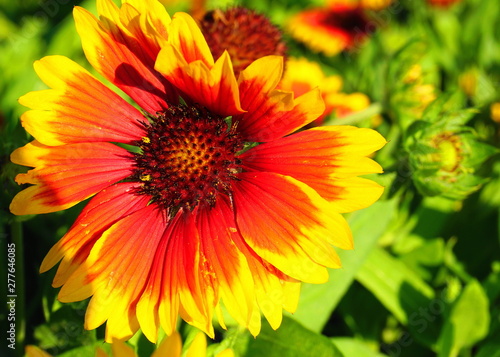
444	154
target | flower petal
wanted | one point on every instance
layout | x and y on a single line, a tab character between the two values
116	277
197	298
78	108
120	348
213	87
274	290
148	307
176	284
66	175
271	113
171	346
103	210
326	159
186	36
164	285
120	49
346	194
188	64
226	265
34	351
289	225
263	75
198	346
246	284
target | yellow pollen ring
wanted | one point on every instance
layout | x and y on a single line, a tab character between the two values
146	140
145	177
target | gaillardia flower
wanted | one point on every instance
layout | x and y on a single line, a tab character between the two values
216	201
339	26
243	33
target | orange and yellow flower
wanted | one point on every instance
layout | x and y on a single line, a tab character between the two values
193	206
364	4
302	76
495	112
339	26
375	4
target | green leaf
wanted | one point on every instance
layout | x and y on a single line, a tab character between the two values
6	27
489	350
86	351
142	345
355	306
403	292
290	340
64	330
489	196
468	322
353	347
492	283
318	301
429	254
448	27
394	284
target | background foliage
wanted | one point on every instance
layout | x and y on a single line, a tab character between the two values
424	279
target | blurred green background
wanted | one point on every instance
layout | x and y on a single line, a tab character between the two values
424	279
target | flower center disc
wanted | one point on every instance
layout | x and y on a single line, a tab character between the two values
243	33
188	157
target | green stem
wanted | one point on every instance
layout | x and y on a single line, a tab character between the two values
17	239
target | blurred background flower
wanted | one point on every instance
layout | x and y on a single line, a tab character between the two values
331	29
302	75
245	34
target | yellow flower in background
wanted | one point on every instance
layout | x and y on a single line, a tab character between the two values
421	93
345	104
303	75
171	346
495	112
468	81
375	4
220	200
34	351
414	93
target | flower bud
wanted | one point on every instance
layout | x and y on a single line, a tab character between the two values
445	155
